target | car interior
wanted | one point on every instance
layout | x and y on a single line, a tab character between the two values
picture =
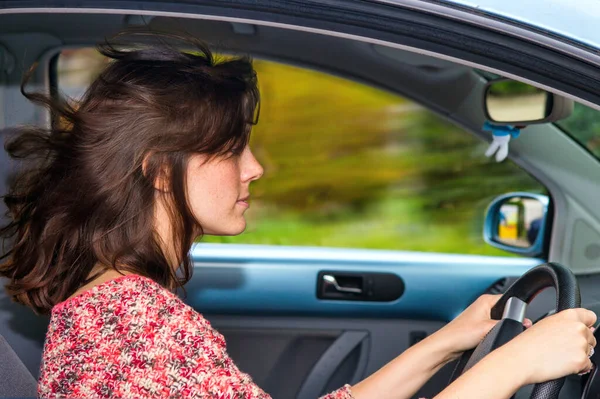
270	301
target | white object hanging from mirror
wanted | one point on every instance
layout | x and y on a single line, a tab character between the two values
502	135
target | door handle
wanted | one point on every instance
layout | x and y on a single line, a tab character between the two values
359	286
332	281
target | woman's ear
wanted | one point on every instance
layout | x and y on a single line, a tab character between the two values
156	170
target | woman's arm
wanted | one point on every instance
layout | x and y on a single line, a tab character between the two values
405	375
555	347
497	376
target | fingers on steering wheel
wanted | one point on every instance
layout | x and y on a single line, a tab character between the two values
588	317
591	338
587	369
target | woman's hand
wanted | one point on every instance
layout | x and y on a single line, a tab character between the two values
556	346
470	327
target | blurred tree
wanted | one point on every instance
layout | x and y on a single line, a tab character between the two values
584	126
511	87
321	139
456	174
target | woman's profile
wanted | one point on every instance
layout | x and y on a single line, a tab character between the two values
108	202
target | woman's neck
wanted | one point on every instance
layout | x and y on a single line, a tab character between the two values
102	275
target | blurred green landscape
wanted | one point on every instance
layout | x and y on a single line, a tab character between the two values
584	126
347	165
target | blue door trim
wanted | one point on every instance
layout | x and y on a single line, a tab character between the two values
268	280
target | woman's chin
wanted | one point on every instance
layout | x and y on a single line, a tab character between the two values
232	230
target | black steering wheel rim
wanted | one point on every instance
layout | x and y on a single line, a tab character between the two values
510	310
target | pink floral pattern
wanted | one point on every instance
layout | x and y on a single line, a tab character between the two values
131	338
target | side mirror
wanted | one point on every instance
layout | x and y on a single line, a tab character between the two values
509	102
516	223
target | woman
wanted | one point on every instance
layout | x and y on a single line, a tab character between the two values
112	197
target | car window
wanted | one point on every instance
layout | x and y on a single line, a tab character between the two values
349	165
584	126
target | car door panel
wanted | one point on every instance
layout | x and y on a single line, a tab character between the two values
255	280
295	345
301	357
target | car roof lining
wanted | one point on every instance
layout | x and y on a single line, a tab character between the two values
446	88
407	73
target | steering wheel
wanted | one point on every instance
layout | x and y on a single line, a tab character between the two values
510	310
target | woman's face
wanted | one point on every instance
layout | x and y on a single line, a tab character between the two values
219	189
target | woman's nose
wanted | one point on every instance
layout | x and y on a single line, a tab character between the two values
253	170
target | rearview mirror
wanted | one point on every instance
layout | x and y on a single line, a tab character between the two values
509	102
517	222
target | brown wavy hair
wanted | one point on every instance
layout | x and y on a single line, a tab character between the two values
85	194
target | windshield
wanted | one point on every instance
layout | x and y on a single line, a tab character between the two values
584	126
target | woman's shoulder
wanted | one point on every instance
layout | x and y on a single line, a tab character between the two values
127	299
129	305
126	290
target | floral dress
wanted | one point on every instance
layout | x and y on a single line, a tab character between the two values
131	338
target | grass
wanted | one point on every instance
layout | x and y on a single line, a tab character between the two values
394	223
